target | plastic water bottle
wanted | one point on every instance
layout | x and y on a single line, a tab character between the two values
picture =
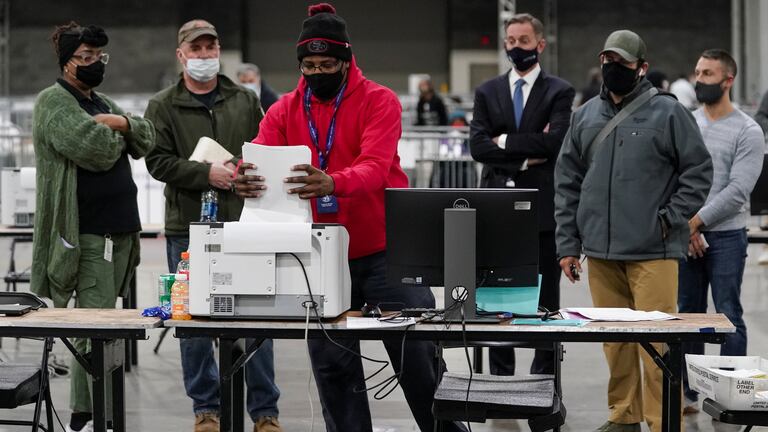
183	266
180	298
209	206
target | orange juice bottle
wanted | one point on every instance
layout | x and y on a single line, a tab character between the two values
180	298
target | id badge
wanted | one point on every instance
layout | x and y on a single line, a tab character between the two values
327	204
108	246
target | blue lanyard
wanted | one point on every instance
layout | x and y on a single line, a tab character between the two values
322	156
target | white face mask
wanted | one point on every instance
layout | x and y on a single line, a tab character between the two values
202	70
253	87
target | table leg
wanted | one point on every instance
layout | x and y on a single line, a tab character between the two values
225	385
131	350
665	389
99	389
238	381
118	399
675	386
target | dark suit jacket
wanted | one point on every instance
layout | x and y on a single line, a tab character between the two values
268	96
550	103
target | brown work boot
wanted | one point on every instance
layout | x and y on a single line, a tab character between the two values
267	424
207	422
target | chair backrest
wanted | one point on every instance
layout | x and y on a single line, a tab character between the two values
22	298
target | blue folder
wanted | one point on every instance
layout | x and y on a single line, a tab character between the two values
519	300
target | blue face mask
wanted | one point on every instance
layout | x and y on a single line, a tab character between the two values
203	70
253	87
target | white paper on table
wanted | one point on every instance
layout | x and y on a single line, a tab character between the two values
274	163
208	150
614	314
363	323
741	373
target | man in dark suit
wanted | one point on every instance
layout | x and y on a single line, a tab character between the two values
519	123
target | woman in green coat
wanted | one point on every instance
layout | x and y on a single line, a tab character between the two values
87	223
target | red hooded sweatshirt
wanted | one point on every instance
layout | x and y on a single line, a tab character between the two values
363	159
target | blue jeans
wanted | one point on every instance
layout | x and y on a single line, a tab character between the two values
722	268
339	374
201	375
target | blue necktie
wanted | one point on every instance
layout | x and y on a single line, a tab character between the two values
517	101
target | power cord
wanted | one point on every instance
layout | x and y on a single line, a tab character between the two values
469	362
313	305
53	408
309	380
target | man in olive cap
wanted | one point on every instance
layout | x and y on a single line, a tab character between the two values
201	103
624	192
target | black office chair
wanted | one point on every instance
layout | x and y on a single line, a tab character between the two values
537	398
747	418
22	384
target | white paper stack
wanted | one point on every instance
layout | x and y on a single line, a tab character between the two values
614	314
276	205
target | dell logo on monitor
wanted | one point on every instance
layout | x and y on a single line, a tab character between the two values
461	203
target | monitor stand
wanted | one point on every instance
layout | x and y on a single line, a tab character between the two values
459	265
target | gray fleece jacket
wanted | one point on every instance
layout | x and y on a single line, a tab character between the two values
648	177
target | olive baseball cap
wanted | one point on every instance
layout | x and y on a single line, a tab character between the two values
192	30
625	43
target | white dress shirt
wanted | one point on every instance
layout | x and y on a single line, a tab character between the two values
529	78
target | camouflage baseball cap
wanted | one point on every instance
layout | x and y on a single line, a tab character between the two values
192	30
625	43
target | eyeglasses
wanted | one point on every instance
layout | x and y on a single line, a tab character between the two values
324	67
89	58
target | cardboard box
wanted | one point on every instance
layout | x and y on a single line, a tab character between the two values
739	394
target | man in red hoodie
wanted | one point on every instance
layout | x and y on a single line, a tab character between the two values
352	125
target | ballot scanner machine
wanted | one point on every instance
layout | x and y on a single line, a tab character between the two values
274	262
254	270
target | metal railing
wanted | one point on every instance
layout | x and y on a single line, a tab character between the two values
438	157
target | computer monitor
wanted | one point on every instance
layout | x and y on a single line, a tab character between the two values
758	200
507	235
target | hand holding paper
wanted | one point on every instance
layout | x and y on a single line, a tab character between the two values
248	186
316	183
265	189
220	176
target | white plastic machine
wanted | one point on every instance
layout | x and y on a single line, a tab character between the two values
253	268
235	274
17	196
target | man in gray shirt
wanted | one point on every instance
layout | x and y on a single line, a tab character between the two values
718	243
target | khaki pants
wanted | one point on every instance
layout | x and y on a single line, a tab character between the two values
641	285
99	283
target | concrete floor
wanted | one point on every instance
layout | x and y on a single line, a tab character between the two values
156	399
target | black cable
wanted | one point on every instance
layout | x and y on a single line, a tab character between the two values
330	339
469	364
53	408
380	395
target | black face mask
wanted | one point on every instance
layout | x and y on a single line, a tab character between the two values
619	79
91	75
523	59
708	93
325	85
